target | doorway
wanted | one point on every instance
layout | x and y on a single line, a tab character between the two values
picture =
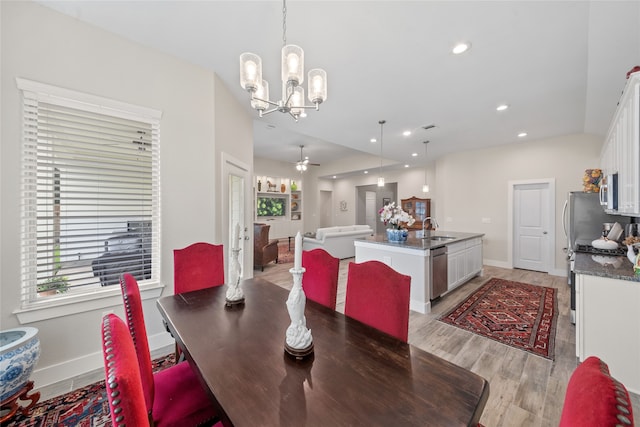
532	225
326	208
370	209
236	191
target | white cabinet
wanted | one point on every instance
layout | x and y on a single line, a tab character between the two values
608	325
621	151
464	261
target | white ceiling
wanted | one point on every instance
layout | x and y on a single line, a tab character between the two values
560	65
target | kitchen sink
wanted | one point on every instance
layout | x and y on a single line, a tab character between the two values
440	238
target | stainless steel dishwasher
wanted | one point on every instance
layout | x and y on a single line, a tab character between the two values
439	275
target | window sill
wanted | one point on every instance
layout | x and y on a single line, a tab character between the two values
68	305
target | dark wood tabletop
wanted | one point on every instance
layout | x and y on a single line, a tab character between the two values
357	376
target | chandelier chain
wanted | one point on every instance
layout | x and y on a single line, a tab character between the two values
284	23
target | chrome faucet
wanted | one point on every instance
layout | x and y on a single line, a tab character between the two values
435	223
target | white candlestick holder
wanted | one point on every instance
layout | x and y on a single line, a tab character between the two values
298	342
234	295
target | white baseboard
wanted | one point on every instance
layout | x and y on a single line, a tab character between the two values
494	263
69	369
502	264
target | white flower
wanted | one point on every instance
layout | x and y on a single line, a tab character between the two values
394	215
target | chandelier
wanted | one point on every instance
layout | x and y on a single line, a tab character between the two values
292	60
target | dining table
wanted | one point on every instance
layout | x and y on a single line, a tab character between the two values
356	375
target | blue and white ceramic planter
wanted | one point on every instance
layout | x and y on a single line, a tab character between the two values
19	353
394	235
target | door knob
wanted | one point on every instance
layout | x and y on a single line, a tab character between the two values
544	232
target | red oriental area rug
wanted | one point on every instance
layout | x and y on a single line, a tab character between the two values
85	407
517	314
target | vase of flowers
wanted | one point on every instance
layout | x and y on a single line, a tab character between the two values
395	219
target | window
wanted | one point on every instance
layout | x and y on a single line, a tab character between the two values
90	194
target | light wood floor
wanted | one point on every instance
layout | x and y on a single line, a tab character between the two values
525	390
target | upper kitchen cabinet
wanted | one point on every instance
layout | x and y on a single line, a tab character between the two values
620	157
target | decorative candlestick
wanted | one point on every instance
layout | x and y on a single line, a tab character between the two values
298	342
297	259
234	295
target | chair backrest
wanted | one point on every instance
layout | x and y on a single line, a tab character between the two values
122	374
379	296
594	398
320	280
260	236
198	266
138	332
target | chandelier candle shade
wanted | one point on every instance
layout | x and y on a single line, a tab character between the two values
292	67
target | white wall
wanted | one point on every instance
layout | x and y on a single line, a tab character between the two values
466	187
199	120
474	184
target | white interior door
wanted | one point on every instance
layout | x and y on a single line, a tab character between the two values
238	195
370	209
531	225
326	208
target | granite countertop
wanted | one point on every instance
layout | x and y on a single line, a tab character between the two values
613	267
422	244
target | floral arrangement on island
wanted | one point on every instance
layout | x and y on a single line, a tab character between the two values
394	217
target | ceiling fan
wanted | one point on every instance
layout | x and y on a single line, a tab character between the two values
301	165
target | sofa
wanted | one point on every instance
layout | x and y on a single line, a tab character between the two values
338	241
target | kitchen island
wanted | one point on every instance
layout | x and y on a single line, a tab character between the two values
414	258
607	315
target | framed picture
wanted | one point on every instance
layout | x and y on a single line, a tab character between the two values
386	201
343	205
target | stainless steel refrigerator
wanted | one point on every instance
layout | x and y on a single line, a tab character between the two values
582	219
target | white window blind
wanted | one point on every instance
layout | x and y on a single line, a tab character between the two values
90	193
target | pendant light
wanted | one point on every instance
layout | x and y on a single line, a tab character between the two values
380	177
425	186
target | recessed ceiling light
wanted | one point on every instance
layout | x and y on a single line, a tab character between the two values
366	172
502	107
406	166
461	48
372	140
522	134
414	154
406	133
334	177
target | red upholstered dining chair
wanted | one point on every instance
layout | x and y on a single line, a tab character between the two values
172	396
379	296
198	266
320	280
594	398
122	374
